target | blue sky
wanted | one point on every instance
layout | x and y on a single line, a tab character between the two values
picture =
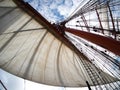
54	10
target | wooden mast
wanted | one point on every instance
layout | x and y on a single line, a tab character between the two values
105	42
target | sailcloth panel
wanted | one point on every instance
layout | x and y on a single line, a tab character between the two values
29	51
7	3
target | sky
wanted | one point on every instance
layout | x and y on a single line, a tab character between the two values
15	83
55	10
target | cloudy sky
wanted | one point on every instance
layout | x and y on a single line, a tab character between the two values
55	10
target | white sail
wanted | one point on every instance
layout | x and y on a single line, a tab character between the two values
29	51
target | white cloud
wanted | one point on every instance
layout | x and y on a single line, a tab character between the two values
69	3
47	8
34	3
53	5
59	2
63	10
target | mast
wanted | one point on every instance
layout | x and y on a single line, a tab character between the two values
108	43
43	52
